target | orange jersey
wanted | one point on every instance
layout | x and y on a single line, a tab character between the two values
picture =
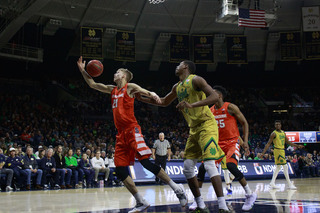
227	124
123	108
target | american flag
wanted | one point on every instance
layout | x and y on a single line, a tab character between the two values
251	18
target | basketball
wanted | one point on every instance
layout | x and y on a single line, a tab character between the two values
94	68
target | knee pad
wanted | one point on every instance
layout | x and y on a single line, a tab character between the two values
211	168
146	163
201	173
188	168
122	172
235	171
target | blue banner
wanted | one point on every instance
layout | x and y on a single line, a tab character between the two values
252	169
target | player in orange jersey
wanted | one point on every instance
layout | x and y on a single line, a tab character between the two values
227	115
129	140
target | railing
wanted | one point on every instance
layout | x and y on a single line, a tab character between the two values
10	12
22	52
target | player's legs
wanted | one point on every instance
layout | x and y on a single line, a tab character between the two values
279	158
274	177
202	143
286	174
123	174
123	157
232	150
200	177
226	172
142	153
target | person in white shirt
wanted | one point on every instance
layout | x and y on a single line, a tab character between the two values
98	165
112	167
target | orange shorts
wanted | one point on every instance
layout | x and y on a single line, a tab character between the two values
130	145
231	148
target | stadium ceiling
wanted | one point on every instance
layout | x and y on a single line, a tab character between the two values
152	23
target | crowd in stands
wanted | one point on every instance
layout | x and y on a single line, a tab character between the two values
75	140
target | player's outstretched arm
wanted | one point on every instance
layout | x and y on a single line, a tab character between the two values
136	89
97	86
269	143
165	101
293	144
235	111
201	85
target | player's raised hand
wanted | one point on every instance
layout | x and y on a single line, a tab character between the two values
183	104
300	146
81	64
155	97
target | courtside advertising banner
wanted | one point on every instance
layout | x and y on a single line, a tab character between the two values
252	169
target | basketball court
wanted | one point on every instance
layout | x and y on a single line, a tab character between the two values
162	199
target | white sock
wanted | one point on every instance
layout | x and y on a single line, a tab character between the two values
275	174
173	185
286	174
222	203
200	202
138	197
247	189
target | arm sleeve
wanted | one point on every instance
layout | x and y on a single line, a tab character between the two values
155	144
93	163
168	144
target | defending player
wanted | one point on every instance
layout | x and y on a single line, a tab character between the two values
279	139
227	115
129	140
194	95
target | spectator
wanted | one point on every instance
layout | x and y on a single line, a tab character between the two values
87	170
6	171
303	170
176	155
48	166
257	150
77	155
315	156
310	164
15	163
40	148
295	158
112	168
64	173
104	156
19	152
258	157
251	156
88	152
32	169
99	166
72	163
41	154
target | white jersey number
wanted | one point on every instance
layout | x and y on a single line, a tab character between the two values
115	103
221	123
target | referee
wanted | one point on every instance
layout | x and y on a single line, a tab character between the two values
160	151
